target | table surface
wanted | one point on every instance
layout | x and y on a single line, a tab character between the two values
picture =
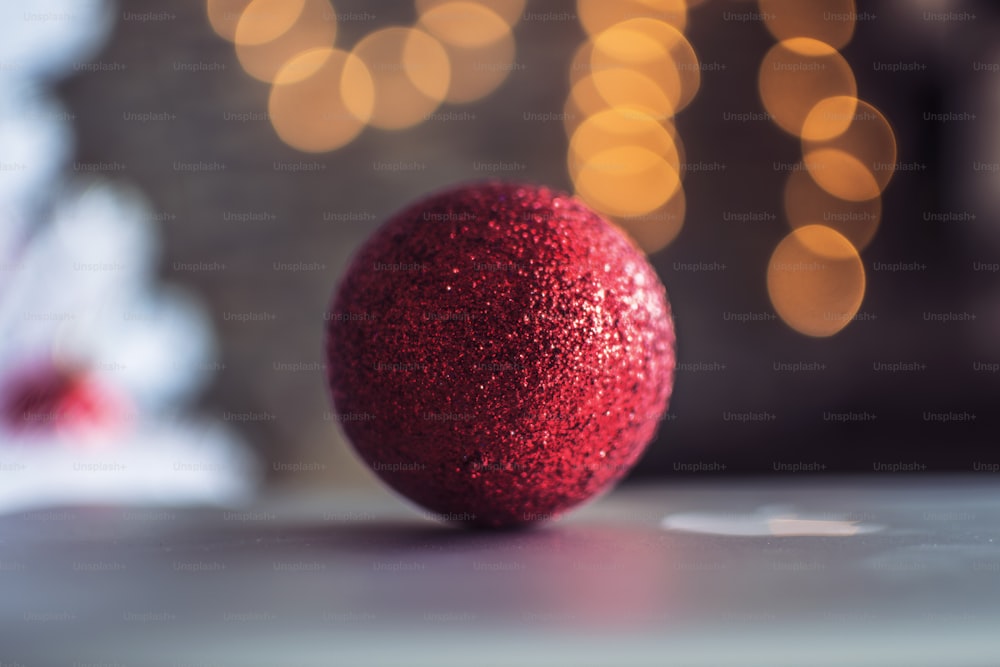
879	570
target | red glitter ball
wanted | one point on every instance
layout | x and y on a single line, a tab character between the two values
499	353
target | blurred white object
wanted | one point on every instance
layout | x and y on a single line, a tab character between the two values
35	144
49	38
95	254
97	361
154	464
83	294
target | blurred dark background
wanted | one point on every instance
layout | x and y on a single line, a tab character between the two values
225	226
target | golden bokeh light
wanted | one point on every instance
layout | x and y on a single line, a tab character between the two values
623	87
806	46
580	66
266	20
678	148
599	15
829	21
583	100
626	181
816	280
857	163
477	72
806	203
411	75
509	10
224	15
426	65
829	118
796	74
613	128
313	26
841	174
651	48
466	25
630	77
657	229
321	99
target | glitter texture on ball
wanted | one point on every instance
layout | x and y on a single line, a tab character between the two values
499	353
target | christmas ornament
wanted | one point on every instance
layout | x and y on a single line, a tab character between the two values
499	353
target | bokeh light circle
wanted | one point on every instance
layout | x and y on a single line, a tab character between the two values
321	99
599	15
841	174
816	280
224	15
467	25
653	49
623	87
856	164
616	127
829	21
583	100
580	65
509	10
411	74
657	229
264	21
796	74
626	181
806	203
477	72
829	118
314	26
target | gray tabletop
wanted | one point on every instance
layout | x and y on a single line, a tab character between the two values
880	570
